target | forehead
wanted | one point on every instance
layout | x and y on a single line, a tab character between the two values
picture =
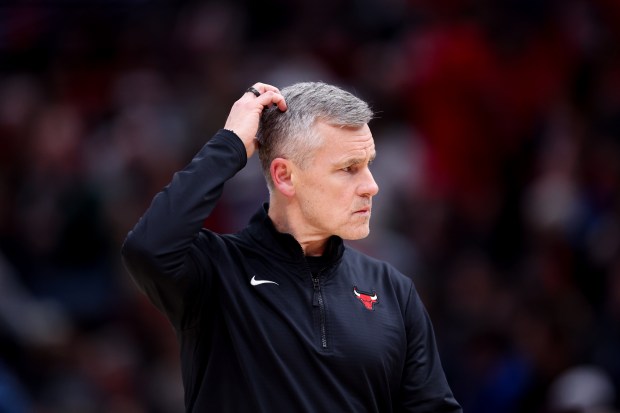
339	142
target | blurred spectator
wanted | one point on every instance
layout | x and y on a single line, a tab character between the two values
582	389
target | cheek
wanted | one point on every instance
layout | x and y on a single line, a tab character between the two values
329	195
336	197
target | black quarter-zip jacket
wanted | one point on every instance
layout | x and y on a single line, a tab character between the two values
258	330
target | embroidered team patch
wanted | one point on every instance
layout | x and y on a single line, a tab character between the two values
367	299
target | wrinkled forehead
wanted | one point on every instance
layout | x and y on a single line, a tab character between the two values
356	140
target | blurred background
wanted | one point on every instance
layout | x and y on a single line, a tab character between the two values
498	137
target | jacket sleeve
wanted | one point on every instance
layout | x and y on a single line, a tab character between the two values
424	385
157	252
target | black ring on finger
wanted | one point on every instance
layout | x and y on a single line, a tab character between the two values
251	89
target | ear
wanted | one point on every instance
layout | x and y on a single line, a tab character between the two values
281	171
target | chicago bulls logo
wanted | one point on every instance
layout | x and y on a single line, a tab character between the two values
366	299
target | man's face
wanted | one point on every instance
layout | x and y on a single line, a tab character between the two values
335	190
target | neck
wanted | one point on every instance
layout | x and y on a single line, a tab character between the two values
287	219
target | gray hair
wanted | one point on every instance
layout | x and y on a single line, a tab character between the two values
292	135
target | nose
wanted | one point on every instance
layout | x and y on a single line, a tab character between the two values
369	186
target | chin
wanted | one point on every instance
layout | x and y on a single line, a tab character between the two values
356	235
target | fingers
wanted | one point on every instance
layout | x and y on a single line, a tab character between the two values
264	87
244	116
268	95
272	98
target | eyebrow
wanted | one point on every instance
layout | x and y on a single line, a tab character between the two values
355	161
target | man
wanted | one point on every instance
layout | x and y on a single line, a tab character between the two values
282	316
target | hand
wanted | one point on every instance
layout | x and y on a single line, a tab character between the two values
245	113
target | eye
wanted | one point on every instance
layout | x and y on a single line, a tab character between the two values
347	169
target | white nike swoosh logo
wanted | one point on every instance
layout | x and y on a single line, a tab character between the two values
254	281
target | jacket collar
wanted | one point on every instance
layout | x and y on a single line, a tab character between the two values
284	245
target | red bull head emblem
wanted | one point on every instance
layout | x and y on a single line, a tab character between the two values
366	299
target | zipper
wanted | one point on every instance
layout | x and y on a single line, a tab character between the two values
317	301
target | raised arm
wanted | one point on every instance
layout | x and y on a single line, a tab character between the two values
156	250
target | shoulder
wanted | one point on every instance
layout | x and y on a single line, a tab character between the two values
382	274
214	242
212	249
369	264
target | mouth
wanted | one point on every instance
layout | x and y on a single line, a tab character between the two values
363	211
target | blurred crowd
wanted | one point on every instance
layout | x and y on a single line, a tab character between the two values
498	140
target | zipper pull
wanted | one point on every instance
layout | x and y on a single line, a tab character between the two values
317	291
